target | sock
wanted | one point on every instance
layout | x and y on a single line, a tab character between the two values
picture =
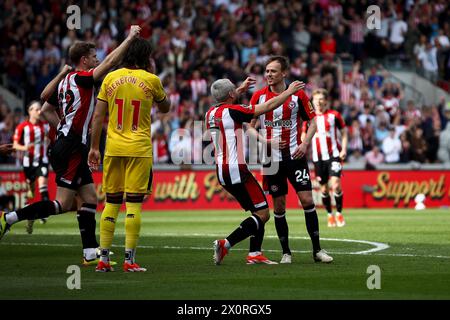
44	193
338	197
129	255
248	227
104	255
108	225
282	230
326	200
312	225
257	240
87	224
132	224
37	210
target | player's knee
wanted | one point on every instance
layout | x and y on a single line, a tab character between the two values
279	205
337	187
264	215
65	203
306	200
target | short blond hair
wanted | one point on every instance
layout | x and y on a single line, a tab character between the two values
320	91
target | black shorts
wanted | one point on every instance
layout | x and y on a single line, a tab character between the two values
68	157
294	170
328	168
32	173
249	194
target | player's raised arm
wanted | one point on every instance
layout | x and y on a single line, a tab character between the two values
114	57
52	85
278	100
49	114
97	121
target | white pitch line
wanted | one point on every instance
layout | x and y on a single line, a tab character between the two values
378	246
235	249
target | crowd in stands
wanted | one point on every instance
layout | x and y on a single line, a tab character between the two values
198	41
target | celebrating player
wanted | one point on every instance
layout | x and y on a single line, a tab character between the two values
75	98
284	125
328	154
224	121
128	95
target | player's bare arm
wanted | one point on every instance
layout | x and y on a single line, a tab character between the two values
52	85
21	147
343	153
114	57
278	100
164	105
97	121
48	113
301	150
6	149
275	142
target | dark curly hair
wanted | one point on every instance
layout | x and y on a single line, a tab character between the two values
138	54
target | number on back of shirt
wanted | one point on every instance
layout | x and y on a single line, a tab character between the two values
301	175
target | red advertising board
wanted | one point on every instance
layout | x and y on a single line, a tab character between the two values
185	190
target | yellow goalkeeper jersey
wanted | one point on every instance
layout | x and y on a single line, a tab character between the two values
130	94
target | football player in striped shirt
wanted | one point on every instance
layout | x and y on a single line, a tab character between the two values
75	97
31	137
225	123
328	154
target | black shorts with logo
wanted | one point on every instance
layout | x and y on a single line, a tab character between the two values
294	170
32	173
327	168
249	194
68	157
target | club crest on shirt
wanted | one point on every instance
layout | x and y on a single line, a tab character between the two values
274	188
292	105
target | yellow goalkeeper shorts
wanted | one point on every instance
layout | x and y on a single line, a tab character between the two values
127	174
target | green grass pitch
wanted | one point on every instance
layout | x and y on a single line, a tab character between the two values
411	248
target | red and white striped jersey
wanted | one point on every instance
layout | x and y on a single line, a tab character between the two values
325	143
37	134
284	122
224	122
75	98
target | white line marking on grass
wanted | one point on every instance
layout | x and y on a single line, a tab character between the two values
378	246
235	249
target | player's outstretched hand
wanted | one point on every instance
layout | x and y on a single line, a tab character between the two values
295	86
94	159
134	31
6	149
249	82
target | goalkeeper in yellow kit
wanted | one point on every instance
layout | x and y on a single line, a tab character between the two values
128	95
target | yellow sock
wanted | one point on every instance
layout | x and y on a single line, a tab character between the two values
108	224
132	224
